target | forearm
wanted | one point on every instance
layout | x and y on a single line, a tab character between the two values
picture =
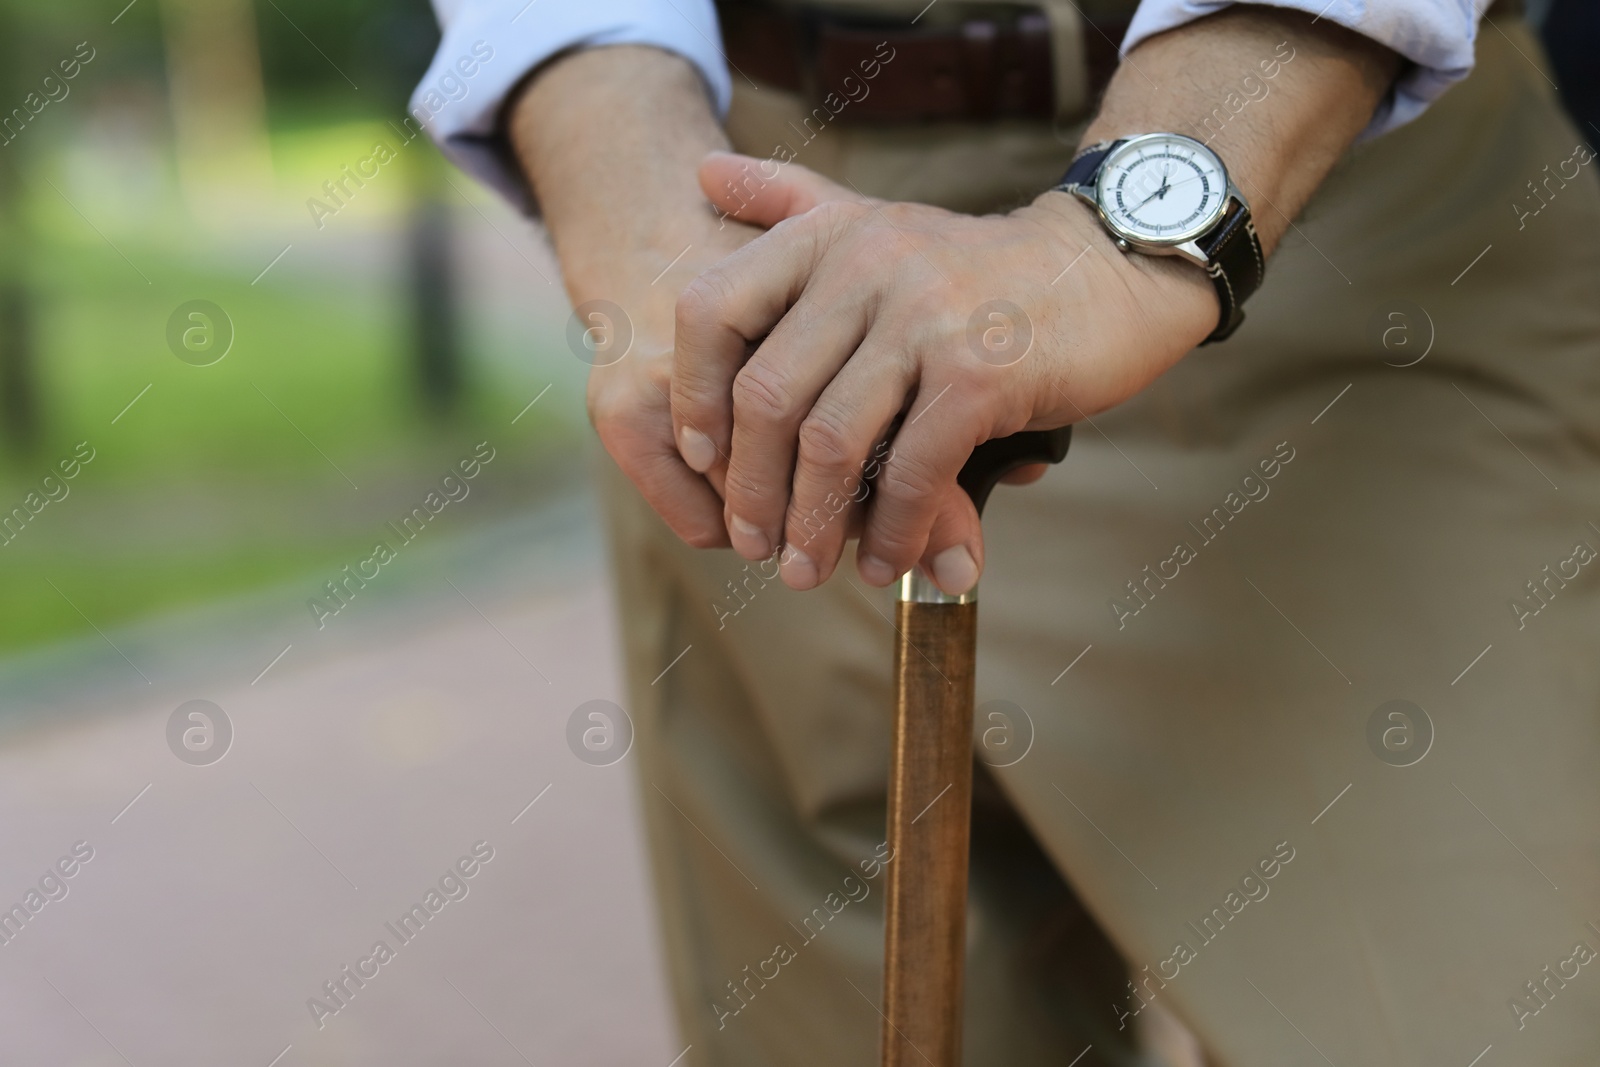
1280	134
610	140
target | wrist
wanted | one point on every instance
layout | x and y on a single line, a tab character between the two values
599	257
1176	297
610	140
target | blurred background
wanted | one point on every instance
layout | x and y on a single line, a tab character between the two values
177	165
247	391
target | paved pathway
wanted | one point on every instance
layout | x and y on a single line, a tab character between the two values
365	763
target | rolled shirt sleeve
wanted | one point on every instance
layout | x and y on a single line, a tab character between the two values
489	46
1437	36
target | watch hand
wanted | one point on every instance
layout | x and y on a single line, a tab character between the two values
1159	192
1186	181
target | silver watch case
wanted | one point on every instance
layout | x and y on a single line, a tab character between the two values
1181	244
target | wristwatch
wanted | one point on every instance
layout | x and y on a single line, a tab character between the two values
1165	194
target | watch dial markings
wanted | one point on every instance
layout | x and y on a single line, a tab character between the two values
1164	191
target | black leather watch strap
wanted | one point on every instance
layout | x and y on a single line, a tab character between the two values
1236	266
1086	166
1232	249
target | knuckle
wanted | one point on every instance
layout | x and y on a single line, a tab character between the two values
623	404
899	525
936	314
825	441
835	216
760	395
608	412
965	376
904	210
703	299
907	480
893	547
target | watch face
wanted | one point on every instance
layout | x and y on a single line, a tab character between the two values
1162	188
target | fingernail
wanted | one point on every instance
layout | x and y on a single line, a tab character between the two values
696	449
875	571
798	570
954	571
747	538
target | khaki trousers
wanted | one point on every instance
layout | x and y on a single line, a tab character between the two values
1199	622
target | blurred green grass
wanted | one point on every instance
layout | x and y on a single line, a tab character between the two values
202	489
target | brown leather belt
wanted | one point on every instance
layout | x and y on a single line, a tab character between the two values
997	65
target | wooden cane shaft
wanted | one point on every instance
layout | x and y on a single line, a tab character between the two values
930	801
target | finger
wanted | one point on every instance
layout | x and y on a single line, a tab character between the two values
683	498
842	449
719	315
772	396
954	554
764	192
927	455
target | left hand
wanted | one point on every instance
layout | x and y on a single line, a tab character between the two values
863	312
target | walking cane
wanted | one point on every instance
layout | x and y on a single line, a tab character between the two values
930	789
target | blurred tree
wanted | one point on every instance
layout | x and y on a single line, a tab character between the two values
392	49
231	65
367	52
19	393
19	390
434	300
218	106
35	40
371	54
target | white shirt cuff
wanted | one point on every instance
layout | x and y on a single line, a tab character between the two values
489	46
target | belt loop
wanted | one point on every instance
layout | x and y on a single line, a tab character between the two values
1069	58
979	64
810	26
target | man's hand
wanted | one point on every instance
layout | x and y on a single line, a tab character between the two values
610	140
873	321
629	400
867	313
